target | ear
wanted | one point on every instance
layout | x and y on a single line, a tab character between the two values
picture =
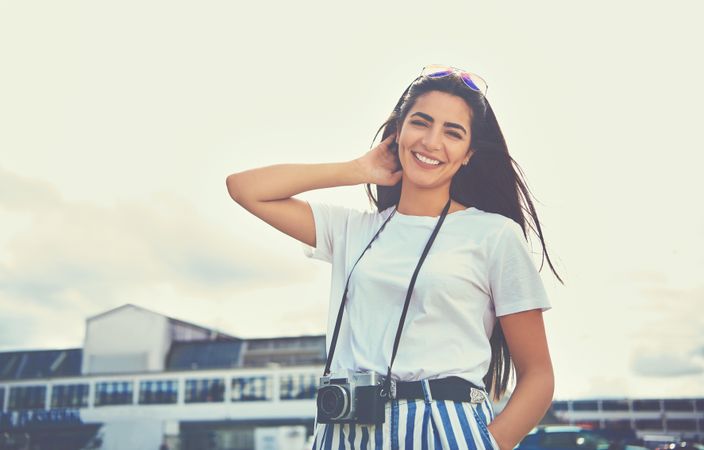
470	152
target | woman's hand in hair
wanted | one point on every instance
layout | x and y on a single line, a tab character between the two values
380	165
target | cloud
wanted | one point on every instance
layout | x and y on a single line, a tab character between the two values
28	325
87	258
670	340
667	363
600	386
23	194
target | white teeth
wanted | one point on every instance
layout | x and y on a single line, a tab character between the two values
426	160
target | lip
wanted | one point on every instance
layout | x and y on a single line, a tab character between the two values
425	165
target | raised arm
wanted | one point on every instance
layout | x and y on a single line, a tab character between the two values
267	191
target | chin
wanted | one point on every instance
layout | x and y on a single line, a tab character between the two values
422	180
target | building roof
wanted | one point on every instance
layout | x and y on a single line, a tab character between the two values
31	364
215	334
196	355
286	351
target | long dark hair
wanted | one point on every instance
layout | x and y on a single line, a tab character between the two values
488	182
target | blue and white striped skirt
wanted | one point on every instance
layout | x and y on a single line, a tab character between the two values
423	424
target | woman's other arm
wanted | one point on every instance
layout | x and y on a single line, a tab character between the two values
267	192
535	382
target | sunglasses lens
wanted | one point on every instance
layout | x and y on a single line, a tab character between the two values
438	74
472	83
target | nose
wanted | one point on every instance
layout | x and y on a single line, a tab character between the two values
432	138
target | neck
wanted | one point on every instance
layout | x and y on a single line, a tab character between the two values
423	202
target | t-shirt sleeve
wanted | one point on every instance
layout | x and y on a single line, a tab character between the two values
330	225
514	279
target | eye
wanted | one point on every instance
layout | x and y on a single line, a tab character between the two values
421	123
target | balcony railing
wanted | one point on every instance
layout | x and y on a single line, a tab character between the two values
270	384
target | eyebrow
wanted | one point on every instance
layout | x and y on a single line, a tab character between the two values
447	124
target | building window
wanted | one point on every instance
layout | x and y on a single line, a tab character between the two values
259	345
614	405
678	405
618	424
287	344
649	424
113	393
27	397
585	405
205	390
246	389
646	405
682	425
2	399
69	396
699	403
158	392
559	406
298	386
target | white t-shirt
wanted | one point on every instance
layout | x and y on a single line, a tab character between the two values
479	267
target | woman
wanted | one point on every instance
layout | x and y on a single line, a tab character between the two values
476	305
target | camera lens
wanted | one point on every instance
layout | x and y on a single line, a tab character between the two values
333	401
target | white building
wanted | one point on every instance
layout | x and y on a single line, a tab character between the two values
143	379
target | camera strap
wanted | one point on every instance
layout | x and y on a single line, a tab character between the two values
333	343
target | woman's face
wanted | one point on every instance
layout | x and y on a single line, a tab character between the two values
438	129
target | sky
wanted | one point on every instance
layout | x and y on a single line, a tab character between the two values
119	122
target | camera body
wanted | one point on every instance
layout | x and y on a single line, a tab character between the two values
356	398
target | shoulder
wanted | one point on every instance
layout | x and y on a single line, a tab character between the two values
491	227
494	221
367	221
506	241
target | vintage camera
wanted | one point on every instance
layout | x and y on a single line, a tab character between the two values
356	399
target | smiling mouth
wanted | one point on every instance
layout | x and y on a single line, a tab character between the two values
425	161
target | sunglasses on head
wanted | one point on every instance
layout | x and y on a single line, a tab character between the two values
471	80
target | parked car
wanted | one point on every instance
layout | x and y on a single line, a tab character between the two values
562	437
680	445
